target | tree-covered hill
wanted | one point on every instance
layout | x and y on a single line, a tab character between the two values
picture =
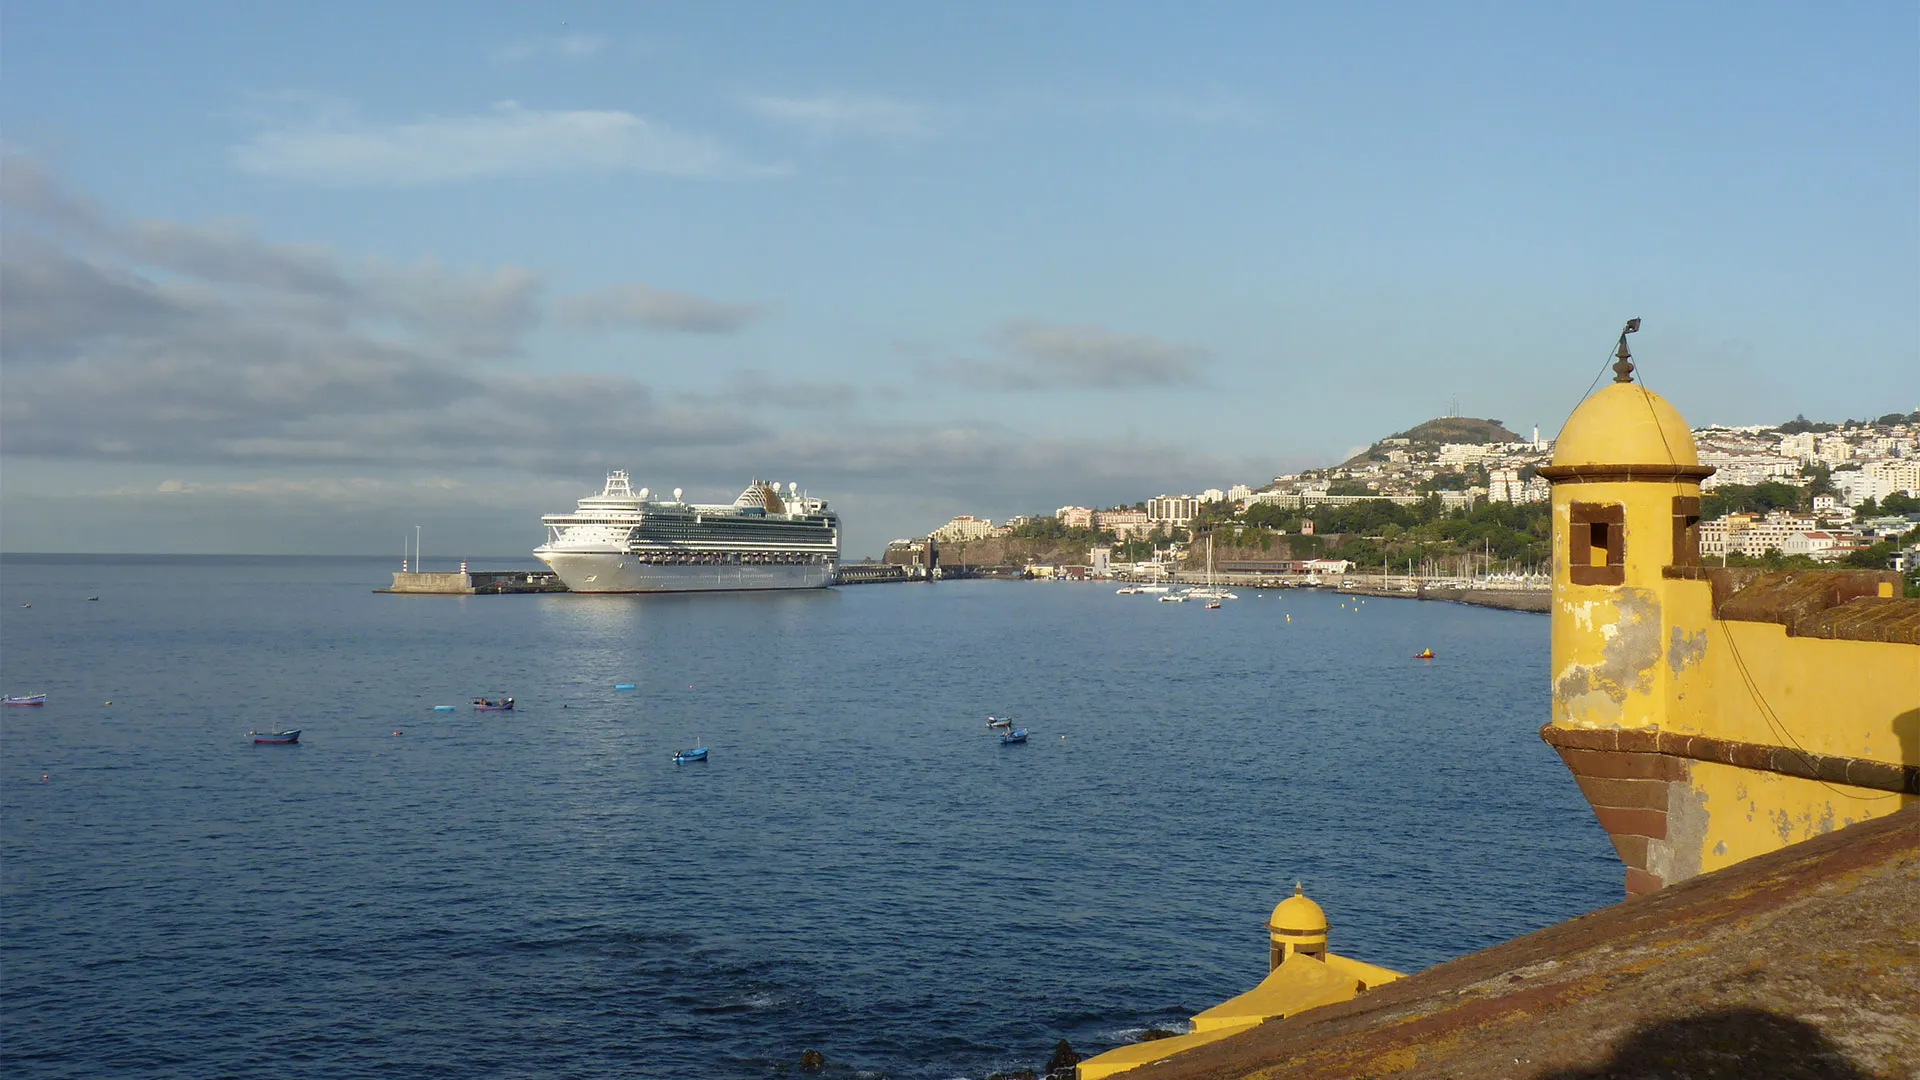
1458	429
1441	430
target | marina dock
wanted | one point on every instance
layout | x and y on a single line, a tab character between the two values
466	582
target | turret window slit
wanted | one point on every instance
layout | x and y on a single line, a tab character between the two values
1597	544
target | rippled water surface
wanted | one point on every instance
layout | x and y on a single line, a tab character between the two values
860	868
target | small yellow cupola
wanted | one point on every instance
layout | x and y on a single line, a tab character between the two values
1298	926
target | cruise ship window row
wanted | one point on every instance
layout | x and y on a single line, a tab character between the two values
718	558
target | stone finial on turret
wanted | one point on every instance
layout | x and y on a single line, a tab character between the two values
1623	365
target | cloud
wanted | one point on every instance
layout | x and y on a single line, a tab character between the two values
1042	356
751	388
179	351
834	117
167	342
511	140
639	305
562	47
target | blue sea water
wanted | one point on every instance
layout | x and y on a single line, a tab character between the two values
861	868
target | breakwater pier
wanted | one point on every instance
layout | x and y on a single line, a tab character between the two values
464	582
1538	601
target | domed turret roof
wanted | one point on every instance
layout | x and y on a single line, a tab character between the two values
1299	915
1625	424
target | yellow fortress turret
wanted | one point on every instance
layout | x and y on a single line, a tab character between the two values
1298	926
1710	715
1301	975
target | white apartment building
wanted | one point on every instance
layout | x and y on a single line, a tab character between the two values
1213	495
1456	456
1075	517
1748	469
1828	508
1239	493
1798	447
1173	511
1505	485
964	527
1125	524
1835	450
1747	534
1901	475
1878	479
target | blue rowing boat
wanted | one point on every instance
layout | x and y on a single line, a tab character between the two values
683	757
281	737
1019	735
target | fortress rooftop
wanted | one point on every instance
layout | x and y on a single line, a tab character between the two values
1807	955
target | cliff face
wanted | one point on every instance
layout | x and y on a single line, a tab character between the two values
1275	548
1013	552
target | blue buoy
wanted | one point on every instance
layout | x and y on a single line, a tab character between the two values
443	708
623	686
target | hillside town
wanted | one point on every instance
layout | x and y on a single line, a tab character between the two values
1819	492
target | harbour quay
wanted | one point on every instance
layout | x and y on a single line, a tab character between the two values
465	582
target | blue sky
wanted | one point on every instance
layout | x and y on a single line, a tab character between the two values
294	279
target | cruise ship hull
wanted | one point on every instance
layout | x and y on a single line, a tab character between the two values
623	573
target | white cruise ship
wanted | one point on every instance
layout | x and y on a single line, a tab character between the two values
623	541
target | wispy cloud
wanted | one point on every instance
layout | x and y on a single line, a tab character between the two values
562	46
510	140
204	351
1041	356
754	388
839	117
636	305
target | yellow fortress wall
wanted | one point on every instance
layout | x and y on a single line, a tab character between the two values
1301	975
1711	715
1708	715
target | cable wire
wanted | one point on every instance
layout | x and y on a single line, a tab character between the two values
1779	726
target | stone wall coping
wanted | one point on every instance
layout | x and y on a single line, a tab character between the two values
1760	757
1606	474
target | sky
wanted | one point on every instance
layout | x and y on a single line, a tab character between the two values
296	279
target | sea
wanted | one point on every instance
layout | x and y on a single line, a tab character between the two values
860	868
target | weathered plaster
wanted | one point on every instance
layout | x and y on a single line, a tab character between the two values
1688	822
1686	650
1627	659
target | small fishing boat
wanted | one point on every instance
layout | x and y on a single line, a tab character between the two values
684	757
486	705
1017	735
28	699
1173	598
996	721
275	736
1424	654
1213	605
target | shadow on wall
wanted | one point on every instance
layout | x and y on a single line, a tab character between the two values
1743	1044
1906	729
